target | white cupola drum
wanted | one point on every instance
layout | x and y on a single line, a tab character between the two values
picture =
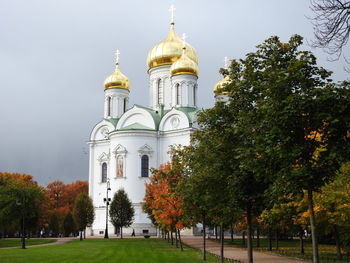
161	60
184	75
117	89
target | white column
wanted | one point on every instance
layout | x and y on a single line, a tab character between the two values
106	107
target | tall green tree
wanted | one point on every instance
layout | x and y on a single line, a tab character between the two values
296	118
218	173
121	211
83	212
20	197
68	225
333	208
54	224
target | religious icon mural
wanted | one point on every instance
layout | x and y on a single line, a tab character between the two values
120	168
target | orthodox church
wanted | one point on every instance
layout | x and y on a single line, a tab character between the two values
130	140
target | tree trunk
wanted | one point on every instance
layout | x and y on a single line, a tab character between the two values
258	236
176	239
249	235
179	235
315	256
121	232
172	237
85	233
276	239
270	240
222	243
301	243
243	239
81	235
216	232
204	256
337	242
167	234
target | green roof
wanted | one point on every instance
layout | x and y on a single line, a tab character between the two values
190	113
155	115
136	126
114	121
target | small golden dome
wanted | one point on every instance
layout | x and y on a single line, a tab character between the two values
184	65
117	80
218	89
169	50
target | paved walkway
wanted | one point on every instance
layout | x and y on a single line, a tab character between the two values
59	241
235	253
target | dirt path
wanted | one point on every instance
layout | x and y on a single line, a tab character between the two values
59	241
235	253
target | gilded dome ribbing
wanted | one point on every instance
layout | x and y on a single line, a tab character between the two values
218	89
117	80
184	65
169	50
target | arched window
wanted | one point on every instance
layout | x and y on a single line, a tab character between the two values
194	94
120	166
160	91
144	165
124	104
109	106
178	94
104	173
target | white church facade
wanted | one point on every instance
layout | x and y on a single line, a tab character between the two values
128	141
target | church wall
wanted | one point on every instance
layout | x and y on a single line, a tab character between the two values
136	144
177	137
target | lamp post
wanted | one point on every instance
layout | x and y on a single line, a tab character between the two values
21	203
107	200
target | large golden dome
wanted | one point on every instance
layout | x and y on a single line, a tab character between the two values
218	89
117	80
169	50
184	65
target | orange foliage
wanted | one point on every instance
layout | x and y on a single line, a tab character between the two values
20	179
165	205
61	197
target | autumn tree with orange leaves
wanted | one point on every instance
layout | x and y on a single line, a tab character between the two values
60	202
44	207
163	204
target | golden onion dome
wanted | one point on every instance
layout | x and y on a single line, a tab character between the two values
169	50
117	80
184	65
218	89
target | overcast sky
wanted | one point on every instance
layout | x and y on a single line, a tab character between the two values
55	55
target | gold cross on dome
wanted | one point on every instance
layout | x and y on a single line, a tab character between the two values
172	10
226	60
117	53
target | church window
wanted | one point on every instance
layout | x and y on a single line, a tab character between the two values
120	166
160	91
104	173
109	106
124	104
194	94
144	165
178	94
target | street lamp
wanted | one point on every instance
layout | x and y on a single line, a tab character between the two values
107	200
21	203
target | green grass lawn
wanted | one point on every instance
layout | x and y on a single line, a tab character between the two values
106	250
16	242
290	248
